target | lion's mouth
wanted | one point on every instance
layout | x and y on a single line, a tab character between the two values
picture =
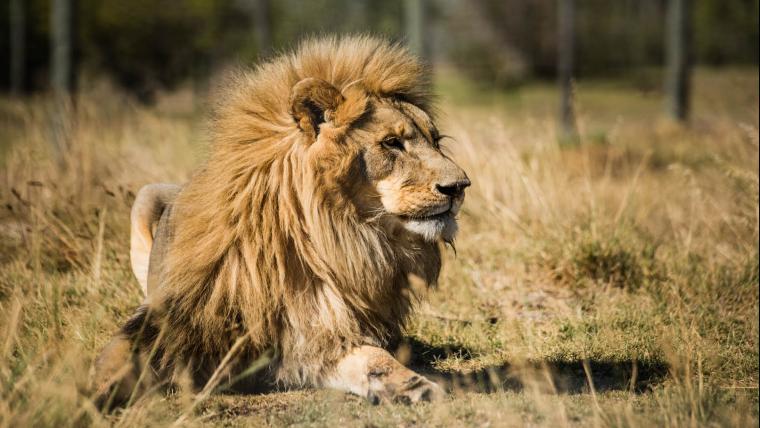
439	223
438	213
433	217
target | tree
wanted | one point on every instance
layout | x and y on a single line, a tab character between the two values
17	46
565	57
357	15
678	52
415	23
262	22
62	77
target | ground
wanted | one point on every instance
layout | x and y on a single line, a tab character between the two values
610	282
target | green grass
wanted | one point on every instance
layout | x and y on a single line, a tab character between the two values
613	283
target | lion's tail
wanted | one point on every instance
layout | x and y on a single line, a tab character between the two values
149	204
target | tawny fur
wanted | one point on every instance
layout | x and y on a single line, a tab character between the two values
147	209
266	245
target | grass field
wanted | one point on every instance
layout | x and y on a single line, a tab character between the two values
611	283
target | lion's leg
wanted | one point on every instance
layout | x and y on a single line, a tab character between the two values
120	374
123	370
372	372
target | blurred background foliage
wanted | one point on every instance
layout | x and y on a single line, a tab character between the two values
149	45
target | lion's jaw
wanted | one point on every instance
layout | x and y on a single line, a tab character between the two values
437	223
441	226
421	212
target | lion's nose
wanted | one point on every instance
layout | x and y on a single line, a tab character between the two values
453	190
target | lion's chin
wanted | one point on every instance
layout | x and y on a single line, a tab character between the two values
442	226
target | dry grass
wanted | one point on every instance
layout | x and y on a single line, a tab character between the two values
610	284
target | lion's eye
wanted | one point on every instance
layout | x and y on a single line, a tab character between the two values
393	143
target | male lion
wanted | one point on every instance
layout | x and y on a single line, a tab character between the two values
325	196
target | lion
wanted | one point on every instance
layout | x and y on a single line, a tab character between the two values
292	258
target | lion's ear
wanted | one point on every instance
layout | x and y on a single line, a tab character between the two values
354	105
310	101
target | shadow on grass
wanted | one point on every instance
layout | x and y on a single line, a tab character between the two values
568	377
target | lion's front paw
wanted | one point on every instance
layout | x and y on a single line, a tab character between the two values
414	389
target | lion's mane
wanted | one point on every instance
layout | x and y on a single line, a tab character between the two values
265	245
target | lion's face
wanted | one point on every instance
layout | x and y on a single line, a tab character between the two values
401	172
402	161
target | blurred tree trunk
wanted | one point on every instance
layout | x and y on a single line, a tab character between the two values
18	46
415	18
566	53
678	52
62	76
357	15
262	23
62	73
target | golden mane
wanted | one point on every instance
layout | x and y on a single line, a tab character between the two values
266	247
254	104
